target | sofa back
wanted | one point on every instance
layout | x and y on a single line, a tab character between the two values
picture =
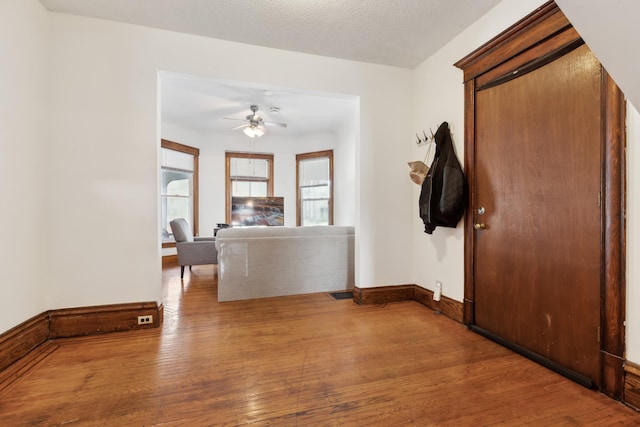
263	232
258	262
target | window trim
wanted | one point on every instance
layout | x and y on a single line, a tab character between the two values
244	155
195	152
306	156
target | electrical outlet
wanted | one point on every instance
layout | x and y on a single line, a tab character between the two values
145	320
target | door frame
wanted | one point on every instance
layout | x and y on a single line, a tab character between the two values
539	38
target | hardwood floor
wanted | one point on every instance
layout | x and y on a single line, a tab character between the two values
304	360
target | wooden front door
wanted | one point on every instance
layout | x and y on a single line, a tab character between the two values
538	178
544	234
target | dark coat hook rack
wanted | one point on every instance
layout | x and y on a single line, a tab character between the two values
426	139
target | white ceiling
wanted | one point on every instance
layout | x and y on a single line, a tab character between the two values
400	33
203	104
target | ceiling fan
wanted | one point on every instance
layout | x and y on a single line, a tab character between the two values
254	125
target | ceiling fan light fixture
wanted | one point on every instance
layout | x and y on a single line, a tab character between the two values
259	131
254	126
249	131
254	131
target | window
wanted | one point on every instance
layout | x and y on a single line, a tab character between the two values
248	175
179	187
314	174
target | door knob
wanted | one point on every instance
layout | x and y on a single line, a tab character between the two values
479	226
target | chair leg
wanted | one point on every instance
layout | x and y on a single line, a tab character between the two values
182	271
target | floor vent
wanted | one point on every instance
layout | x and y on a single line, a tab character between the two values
342	295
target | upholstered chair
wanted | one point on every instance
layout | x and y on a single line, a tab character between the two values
192	250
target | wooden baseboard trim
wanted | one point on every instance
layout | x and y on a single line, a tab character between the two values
19	341
449	307
632	385
74	322
30	360
385	294
169	261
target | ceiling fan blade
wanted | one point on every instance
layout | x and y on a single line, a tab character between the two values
244	125
282	125
231	118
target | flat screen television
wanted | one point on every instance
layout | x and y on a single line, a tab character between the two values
252	211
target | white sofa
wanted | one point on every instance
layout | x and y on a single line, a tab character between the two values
259	262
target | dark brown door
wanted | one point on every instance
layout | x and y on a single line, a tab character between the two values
537	254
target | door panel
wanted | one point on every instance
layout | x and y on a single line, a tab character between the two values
537	261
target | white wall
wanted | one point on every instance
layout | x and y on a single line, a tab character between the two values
439	97
104	144
611	30
344	174
23	154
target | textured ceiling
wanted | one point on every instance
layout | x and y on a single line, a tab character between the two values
401	33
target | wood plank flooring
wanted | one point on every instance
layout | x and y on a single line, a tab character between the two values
304	360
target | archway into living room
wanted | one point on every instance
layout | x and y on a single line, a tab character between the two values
207	115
